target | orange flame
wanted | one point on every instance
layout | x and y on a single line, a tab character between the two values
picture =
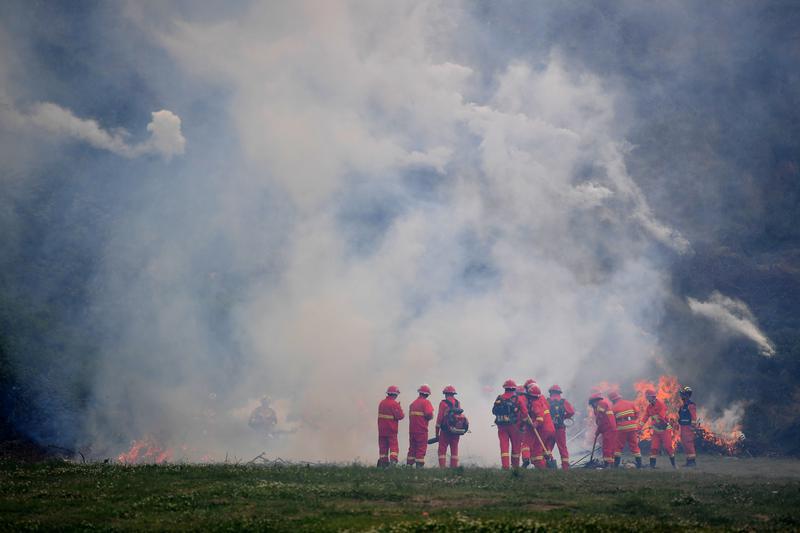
146	450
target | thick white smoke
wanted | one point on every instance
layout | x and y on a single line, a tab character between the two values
509	239
733	318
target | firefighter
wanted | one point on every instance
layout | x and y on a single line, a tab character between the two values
560	411
627	417
263	418
389	413
540	436
443	433
687	419
606	426
420	413
509	414
656	413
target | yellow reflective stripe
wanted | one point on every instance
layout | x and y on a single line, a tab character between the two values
547	411
417	413
506	454
627	427
393	453
390	417
625	413
443	456
601	410
539	419
538	458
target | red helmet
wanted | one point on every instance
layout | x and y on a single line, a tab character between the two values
595	396
528	382
650	393
533	390
555	388
509	384
393	390
449	390
614	396
424	389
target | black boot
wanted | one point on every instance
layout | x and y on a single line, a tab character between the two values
638	462
617	461
691	462
526	463
652	462
672	461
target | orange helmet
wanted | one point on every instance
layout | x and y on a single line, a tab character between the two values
650	393
449	390
533	390
424	389
393	390
510	384
614	396
595	396
555	388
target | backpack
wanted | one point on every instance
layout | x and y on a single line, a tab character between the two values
557	412
455	423
506	411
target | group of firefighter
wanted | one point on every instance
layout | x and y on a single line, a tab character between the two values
530	426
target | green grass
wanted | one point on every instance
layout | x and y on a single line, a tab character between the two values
753	494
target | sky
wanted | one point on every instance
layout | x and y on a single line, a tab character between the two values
315	200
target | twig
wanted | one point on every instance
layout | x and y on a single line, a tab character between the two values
256	458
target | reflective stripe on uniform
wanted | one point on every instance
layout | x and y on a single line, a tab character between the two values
538	458
539	419
390	417
504	454
417	413
629	427
625	413
547	411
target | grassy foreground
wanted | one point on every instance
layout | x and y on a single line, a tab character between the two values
742	494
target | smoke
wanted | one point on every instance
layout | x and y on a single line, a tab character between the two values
375	194
734	318
165	138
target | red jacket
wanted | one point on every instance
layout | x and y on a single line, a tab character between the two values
627	415
389	412
420	412
604	417
656	413
523	406
539	410
442	412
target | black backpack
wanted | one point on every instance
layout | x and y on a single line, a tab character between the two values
557	411
455	423
506	411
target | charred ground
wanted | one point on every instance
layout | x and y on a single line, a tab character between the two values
724	493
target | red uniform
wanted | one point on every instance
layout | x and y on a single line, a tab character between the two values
656	413
389	412
532	449
446	439
420	413
627	417
607	427
687	418
560	410
510	433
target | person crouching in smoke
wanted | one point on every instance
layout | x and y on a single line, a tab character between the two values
606	426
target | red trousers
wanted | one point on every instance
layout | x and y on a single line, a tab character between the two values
417	446
609	445
509	434
659	439
560	439
388	449
687	440
532	447
631	438
445	440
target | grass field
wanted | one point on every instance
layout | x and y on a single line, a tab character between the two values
741	494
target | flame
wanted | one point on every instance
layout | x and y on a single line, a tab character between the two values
146	450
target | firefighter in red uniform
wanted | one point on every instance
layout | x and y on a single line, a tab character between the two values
540	436
656	413
445	437
560	410
509	414
420	413
389	413
606	426
627	417
687	419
